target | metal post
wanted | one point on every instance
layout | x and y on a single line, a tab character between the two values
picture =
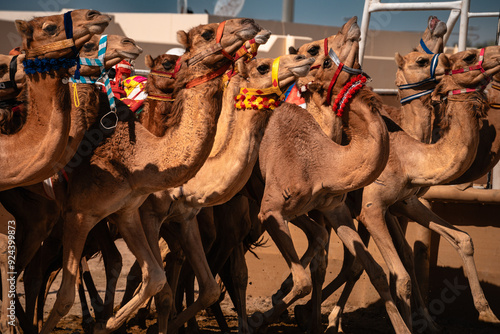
464	25
288	7
365	22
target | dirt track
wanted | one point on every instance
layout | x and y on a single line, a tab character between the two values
363	314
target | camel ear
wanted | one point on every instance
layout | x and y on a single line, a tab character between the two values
183	38
24	28
149	61
292	50
399	60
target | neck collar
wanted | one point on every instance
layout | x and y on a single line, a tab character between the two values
252	98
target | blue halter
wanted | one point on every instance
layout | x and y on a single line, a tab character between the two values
99	61
434	62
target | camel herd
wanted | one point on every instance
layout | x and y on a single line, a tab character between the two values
217	156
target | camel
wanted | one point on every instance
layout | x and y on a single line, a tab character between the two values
12	113
34	225
132	163
402	200
27	156
231	161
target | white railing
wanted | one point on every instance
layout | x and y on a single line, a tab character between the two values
459	8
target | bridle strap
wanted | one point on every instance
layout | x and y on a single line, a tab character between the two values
12	76
208	77
424	47
215	48
274	89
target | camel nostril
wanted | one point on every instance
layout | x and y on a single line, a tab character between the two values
300	57
128	41
91	14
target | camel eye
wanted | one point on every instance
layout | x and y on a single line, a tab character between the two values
167	65
49	28
207	35
327	63
470	58
313	51
89	46
421	61
263	69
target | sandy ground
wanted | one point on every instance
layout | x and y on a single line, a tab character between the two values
363	313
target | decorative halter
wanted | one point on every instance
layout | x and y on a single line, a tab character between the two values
416	85
425	48
42	65
242	52
251	98
12	76
170	75
479	67
104	77
216	48
340	67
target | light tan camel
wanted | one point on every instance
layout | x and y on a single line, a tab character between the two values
433	170
132	163
35	224
27	156
295	140
231	161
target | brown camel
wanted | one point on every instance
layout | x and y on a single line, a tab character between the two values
27	156
34	225
12	95
132	163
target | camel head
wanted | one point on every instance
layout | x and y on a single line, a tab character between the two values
118	48
201	43
42	31
468	70
433	35
263	81
345	44
164	66
7	90
419	72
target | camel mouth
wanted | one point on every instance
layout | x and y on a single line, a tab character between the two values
302	69
129	54
262	37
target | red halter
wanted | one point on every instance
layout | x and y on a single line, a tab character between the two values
479	67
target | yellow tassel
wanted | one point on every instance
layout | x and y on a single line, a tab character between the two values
75	96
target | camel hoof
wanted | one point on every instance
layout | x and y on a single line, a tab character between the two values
488	317
257	323
302	315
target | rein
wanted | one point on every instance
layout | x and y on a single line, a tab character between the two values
254	98
12	76
416	85
42	65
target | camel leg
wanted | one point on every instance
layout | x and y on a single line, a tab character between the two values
194	252
342	223
373	216
87	319
277	228
406	254
153	275
76	229
459	240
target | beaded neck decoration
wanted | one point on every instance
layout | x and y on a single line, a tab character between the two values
250	98
347	92
44	65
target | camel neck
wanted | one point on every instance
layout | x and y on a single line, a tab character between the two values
416	118
28	154
330	123
235	151
453	153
